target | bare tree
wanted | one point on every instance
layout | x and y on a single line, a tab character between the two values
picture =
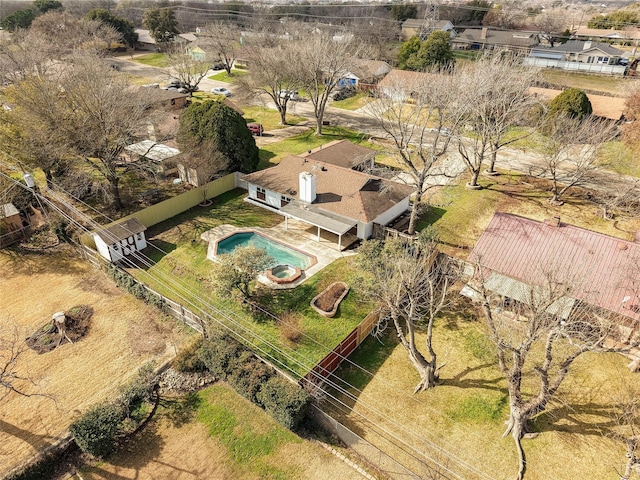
539	335
223	41
321	62
420	131
186	69
411	284
13	376
272	72
550	24
571	151
492	98
626	416
202	162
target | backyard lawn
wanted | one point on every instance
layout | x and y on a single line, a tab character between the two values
218	434
182	273
224	77
153	60
617	86
359	100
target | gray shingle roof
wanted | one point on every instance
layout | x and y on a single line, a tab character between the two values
577	46
121	230
512	38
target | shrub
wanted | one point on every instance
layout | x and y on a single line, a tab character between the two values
188	359
284	401
248	375
219	353
95	432
572	102
289	326
137	390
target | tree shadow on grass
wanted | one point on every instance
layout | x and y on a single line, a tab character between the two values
564	418
181	410
459	380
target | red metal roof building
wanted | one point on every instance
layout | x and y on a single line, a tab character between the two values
600	270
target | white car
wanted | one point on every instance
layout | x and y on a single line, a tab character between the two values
292	95
221	91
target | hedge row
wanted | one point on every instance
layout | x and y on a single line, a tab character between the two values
127	282
98	430
229	360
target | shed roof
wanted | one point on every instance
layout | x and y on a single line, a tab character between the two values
121	230
602	269
152	150
630	33
342	153
342	191
8	210
419	22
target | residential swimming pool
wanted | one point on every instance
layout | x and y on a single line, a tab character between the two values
283	254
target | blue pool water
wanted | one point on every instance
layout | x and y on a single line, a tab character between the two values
282	254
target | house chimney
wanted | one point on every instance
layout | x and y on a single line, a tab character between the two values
586	46
483	35
307	187
553	221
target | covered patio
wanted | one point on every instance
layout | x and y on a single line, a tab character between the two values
323	221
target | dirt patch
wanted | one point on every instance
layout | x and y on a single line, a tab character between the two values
330	296
47	338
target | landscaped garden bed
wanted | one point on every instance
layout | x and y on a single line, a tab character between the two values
326	302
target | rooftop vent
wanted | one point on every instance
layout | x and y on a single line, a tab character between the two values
553	221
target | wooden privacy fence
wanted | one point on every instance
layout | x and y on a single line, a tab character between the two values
334	358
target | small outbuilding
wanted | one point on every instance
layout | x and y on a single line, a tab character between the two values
120	239
11	229
162	158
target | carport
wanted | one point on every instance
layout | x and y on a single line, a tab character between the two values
323	221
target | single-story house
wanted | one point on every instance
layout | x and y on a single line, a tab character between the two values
162	157
416	26
364	74
611	108
515	253
120	239
401	84
197	53
487	39
145	40
627	35
343	153
170	99
332	198
11	228
579	55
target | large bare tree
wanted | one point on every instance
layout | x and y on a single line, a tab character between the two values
187	70
411	283
222	41
492	98
420	131
550	24
14	378
539	335
321	61
570	151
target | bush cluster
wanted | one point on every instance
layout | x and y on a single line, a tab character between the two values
229	360
98	430
187	360
131	285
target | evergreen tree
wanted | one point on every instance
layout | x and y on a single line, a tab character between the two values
161	23
214	124
435	51
401	12
572	102
408	50
122	25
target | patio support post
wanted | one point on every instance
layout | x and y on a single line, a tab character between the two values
318	234
286	222
340	242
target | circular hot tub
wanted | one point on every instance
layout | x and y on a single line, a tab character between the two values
284	274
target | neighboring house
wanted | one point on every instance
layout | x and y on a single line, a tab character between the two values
197	53
11	228
120	239
611	108
415	27
170	99
628	36
486	39
579	55
364	74
332	198
515	254
145	40
162	158
343	153
401	84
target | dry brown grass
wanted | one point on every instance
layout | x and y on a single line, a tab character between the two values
289	327
124	334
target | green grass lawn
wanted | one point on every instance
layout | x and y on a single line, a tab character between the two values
224	77
359	100
153	60
273	153
584	81
269	118
619	158
185	263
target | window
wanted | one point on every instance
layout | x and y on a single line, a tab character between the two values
284	201
262	194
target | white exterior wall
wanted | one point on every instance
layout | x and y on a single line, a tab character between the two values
394	212
271	198
364	230
135	243
103	248
575	66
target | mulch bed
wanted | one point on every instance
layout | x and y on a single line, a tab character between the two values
327	300
45	339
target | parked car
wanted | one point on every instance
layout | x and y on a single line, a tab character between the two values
345	92
293	95
221	91
255	129
173	85
217	66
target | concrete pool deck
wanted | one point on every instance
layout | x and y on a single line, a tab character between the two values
297	236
